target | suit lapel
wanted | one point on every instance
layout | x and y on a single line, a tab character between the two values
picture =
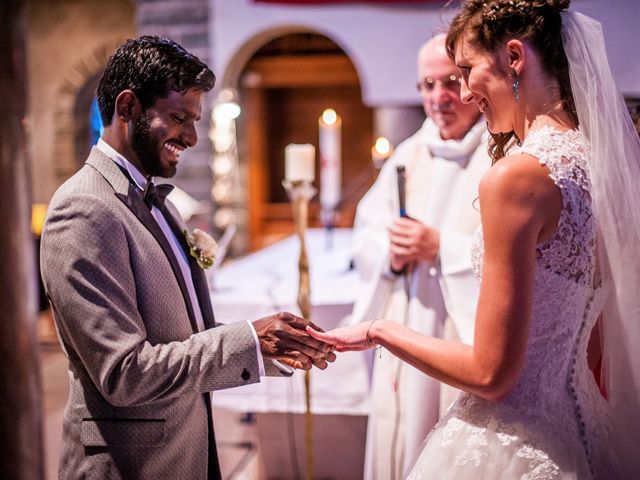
204	299
197	274
137	206
133	200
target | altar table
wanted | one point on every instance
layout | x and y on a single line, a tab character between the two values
267	281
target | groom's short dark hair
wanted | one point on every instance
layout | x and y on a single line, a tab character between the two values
150	66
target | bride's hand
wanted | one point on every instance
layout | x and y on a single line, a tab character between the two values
345	339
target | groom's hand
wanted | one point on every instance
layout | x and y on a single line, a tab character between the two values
283	336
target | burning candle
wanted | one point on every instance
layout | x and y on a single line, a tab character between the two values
380	151
299	162
330	126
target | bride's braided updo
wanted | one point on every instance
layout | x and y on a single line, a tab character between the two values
493	22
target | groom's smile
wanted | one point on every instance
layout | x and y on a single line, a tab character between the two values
174	149
165	130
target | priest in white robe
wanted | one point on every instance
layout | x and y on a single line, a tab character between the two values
417	270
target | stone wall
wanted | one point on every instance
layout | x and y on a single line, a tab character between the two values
68	43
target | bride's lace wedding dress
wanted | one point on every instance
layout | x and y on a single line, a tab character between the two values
553	424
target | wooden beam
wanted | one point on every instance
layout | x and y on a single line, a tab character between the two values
254	105
300	71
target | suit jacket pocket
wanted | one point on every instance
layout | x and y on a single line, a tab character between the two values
122	432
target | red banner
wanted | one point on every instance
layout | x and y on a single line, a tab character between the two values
316	2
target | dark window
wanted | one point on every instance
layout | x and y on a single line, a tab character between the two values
95	123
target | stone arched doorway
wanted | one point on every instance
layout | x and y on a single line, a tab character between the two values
71	114
283	88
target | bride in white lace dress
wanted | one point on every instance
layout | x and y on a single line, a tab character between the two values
552	423
557	252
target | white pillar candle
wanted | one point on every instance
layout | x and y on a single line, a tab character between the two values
299	162
330	126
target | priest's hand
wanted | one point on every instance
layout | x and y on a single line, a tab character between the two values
412	241
283	337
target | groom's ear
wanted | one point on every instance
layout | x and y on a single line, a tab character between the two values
516	54
128	106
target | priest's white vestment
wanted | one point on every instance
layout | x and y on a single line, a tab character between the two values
442	191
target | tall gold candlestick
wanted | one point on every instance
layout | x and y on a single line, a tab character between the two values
300	193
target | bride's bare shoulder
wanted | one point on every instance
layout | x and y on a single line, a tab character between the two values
519	179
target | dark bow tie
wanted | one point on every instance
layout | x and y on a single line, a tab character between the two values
156	194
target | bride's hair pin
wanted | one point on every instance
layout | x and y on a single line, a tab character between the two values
490	12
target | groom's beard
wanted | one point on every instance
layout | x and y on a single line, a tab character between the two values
148	149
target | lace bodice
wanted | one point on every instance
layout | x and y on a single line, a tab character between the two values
556	398
570	251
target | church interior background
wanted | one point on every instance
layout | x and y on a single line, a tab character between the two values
281	66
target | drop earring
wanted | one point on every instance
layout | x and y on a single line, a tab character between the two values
515	86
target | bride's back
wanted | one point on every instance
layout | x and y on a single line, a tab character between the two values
556	395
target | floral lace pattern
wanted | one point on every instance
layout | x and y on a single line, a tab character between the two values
569	251
553	424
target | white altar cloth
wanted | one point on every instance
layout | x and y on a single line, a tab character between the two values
267	281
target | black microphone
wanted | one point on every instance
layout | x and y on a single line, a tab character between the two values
402	189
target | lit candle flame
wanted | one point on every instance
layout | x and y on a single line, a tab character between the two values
329	116
223	113
381	150
382	146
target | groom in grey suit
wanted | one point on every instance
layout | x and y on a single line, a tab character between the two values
130	304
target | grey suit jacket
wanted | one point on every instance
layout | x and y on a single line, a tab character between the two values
137	369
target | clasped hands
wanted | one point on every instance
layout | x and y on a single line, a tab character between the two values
283	337
411	241
300	344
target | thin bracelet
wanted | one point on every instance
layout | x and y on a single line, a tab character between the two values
368	338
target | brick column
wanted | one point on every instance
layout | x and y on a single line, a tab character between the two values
20	399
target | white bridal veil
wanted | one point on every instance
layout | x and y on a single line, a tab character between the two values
614	164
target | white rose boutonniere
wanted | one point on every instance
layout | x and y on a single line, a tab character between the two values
203	247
